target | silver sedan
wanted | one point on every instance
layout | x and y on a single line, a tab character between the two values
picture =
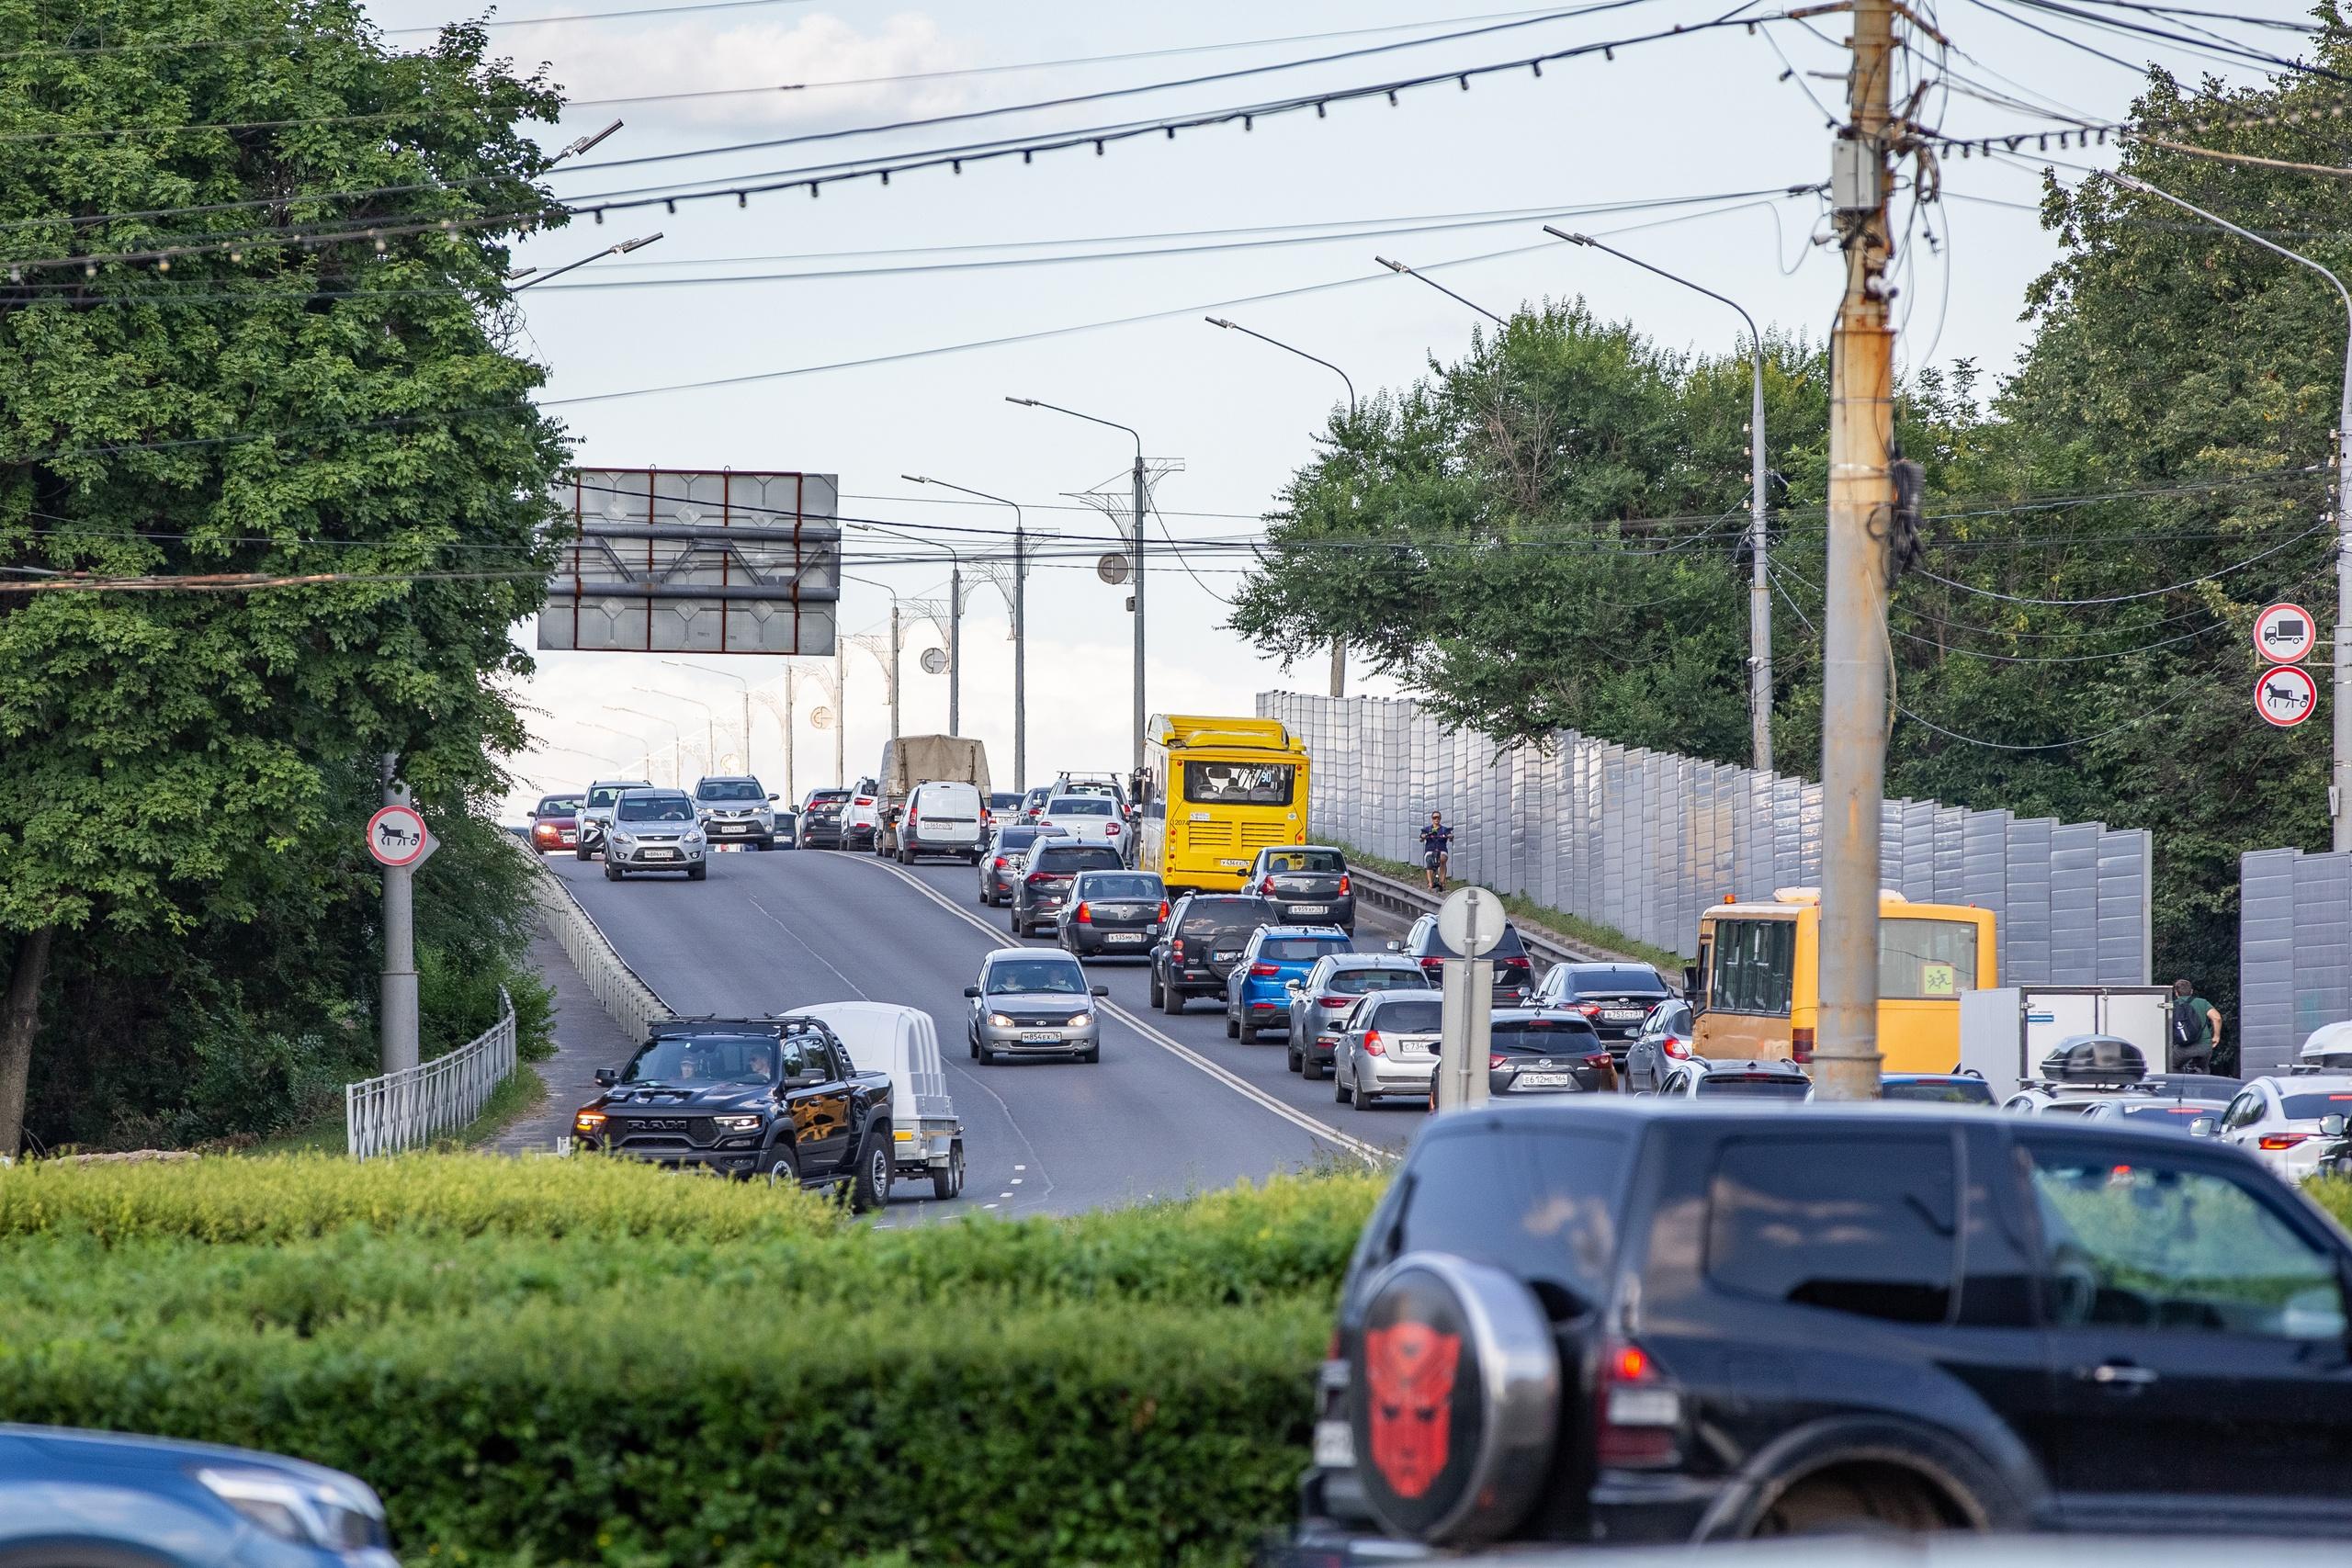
1034	1003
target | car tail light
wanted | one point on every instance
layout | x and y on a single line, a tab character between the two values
1638	1414
1083	917
1265	971
1432	962
1337	1001
1345	886
2282	1140
1600	1059
1676	1047
1111	829
1514	963
1495	1062
1266	889
999	862
1591	1009
1037	879
1175	945
864	800
1163	909
1372	1045
1042	825
1800	1046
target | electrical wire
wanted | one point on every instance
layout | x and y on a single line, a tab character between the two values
2126	598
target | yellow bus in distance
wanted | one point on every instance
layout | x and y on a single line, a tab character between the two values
1759	991
1216	790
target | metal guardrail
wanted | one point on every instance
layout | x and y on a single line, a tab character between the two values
413	1106
636	1007
1548	947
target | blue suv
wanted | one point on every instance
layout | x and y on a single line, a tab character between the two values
98	1497
1257	993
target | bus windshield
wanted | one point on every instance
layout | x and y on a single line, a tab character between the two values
1926	960
1239	784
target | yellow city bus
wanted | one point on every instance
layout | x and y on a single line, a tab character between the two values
1216	790
1759	991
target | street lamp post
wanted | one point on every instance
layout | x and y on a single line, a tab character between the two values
1442	288
709	719
1020	626
620	250
955	617
677	737
1759	588
1338	645
890	660
2339	774
746	685
1142	499
645	752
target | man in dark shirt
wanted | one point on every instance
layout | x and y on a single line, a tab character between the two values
1437	842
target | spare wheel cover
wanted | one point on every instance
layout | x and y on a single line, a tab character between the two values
1453	1397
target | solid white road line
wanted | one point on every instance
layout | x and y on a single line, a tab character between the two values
1371	1154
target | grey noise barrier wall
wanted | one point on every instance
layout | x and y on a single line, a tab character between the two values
2294	953
1642	840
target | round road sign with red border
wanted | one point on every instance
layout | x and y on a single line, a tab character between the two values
2285	696
2285	633
396	836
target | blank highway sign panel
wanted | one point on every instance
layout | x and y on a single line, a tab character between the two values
682	560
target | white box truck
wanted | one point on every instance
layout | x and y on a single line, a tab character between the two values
2005	1032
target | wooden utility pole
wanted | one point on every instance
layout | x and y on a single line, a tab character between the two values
1861	517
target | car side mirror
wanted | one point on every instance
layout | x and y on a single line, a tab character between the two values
971	990
1690	979
1291	985
774	798
1395	947
607	1078
2332	1124
2205	1126
1101	990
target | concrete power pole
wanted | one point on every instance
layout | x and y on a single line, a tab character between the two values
397	1016
1143	499
1760	587
1861	514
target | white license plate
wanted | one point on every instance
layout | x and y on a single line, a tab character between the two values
734	827
1310	909
660	854
1243	865
1335	1445
1041	1037
1122	936
1227	955
1621	1015
1543	1080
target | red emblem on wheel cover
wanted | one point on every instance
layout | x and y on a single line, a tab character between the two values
1410	1368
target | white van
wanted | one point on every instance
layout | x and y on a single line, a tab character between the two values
901	1042
943	817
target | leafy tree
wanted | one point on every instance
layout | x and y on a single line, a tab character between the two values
294	395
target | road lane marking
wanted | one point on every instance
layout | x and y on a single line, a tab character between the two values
1371	1154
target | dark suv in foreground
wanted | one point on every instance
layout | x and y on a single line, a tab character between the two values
1612	1319
771	1097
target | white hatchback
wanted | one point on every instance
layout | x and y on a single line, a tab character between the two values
1088	818
2277	1120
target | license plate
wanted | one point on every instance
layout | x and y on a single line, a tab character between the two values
1243	865
1041	1037
1622	1015
660	854
569	836
1227	955
734	827
1310	909
1335	1445
1122	936
1543	1080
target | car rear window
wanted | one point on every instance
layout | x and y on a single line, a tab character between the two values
1067	859
1615	981
1543	1034
1939	1091
1863	1225
1506	946
1015	838
1226	915
1410	1015
1082	806
1298	949
1328	862
2182	1112
828	797
2312	1105
1360	982
1541	1204
1756	1085
1126	884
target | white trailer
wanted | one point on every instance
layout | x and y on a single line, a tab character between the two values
2006	1031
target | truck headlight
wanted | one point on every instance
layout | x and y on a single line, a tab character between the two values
736	1123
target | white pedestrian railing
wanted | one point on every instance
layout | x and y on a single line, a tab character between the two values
632	1003
415	1105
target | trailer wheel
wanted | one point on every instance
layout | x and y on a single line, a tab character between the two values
947	1180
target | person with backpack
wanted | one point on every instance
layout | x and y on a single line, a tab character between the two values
1437	842
2196	1030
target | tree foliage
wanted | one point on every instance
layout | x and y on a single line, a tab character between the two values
1545	533
318	387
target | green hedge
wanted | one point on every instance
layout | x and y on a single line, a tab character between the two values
591	1362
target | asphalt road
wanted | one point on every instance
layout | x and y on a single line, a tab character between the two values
1172	1107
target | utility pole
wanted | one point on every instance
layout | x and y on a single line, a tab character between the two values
1143	499
1020	654
1861	513
841	715
894	668
955	649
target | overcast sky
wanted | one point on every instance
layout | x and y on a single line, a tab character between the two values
1704	115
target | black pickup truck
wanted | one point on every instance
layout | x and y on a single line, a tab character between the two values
771	1096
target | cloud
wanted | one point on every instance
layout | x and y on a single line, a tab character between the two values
697	54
